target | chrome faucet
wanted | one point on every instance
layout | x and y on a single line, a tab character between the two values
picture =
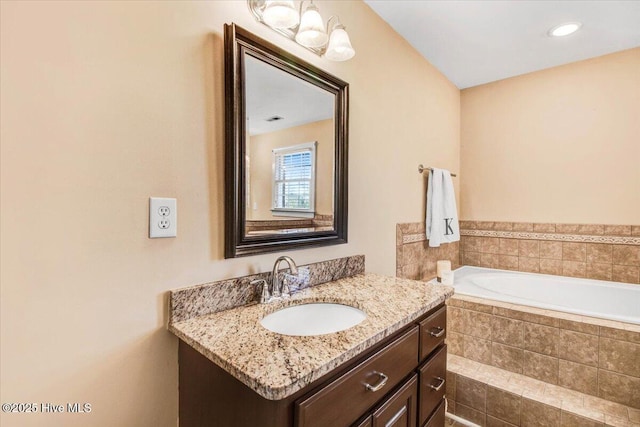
278	289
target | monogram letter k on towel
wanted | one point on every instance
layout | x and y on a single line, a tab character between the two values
442	215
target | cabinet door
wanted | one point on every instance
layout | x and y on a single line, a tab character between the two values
438	418
400	409
367	422
343	401
432	378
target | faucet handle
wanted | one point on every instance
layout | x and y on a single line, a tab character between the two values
299	281
286	290
264	292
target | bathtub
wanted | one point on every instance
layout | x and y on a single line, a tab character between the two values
586	297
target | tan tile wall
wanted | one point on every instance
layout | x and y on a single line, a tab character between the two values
414	258
594	251
281	224
489	396
592	359
488	405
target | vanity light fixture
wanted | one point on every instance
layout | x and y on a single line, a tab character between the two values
311	32
306	28
280	14
564	29
339	48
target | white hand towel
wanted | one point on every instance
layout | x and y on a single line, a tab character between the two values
442	214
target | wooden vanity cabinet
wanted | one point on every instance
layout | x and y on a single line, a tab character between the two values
437	418
399	410
433	331
409	363
432	384
367	422
344	400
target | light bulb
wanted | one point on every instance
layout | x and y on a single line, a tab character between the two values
280	14
565	29
311	32
339	48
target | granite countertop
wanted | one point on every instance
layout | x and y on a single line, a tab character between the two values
276	366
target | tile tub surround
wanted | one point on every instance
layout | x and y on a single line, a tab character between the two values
317	221
276	366
592	356
199	300
415	259
593	251
489	396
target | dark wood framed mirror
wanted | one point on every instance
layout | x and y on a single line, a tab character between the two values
286	149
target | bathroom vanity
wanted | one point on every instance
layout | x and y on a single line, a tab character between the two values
389	370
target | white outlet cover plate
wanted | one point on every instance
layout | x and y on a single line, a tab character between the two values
163	217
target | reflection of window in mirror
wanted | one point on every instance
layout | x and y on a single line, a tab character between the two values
293	180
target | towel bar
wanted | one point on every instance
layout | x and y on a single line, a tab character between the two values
422	169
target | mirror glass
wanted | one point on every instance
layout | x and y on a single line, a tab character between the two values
290	144
286	150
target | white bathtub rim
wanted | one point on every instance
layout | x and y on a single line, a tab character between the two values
469	271
464	268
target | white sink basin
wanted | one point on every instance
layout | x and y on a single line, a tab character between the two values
313	319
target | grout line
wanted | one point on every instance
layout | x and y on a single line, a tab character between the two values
598	365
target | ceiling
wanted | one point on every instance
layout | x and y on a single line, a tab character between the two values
480	41
272	92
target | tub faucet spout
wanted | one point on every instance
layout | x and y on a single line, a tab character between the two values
277	286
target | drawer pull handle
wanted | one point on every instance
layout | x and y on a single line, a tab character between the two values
383	381
437	334
439	386
396	417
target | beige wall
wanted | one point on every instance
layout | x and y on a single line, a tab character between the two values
261	169
107	103
559	145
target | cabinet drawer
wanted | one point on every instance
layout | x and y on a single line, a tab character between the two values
399	410
432	378
437	419
433	332
367	422
345	399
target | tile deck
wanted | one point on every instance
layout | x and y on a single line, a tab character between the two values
594	409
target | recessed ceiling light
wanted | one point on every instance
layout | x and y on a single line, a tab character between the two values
564	29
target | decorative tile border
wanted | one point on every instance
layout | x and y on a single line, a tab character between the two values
325	221
413	238
592	251
537	227
619	240
579	233
290	222
278	223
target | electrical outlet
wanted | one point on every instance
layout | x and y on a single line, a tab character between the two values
163	217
